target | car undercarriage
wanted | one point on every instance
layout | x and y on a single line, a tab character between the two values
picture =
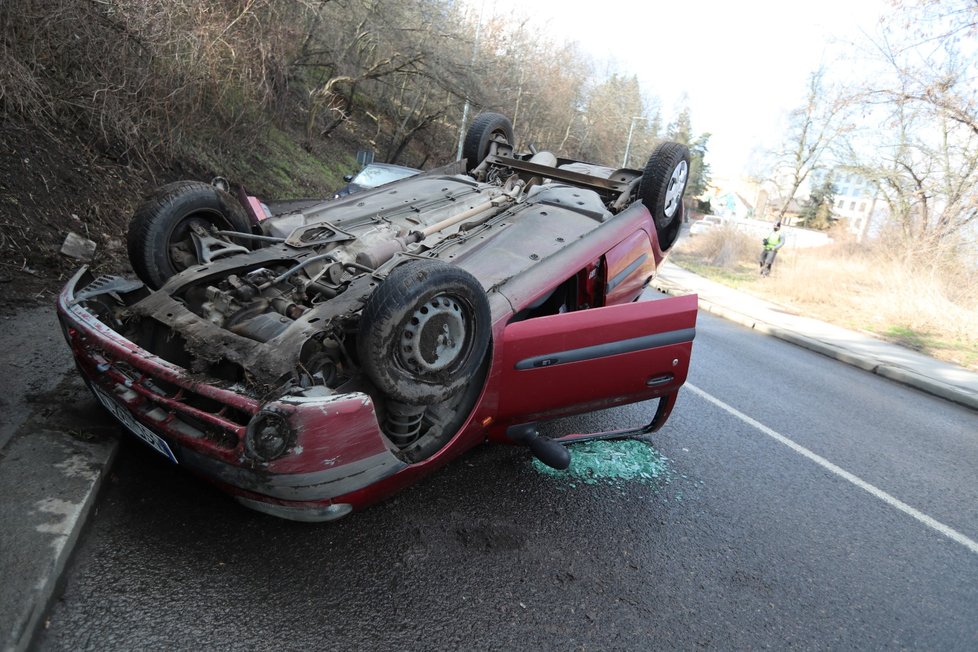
398	294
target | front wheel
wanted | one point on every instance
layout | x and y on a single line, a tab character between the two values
662	187
424	332
159	240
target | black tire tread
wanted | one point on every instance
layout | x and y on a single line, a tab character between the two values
476	144
147	224
655	178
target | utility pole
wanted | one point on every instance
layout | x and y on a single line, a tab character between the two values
628	145
465	109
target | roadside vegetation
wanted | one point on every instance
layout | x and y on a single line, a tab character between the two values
233	84
101	101
896	116
929	304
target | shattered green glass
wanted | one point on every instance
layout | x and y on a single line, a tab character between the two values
610	462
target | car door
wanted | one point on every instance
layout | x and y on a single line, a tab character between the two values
628	267
591	359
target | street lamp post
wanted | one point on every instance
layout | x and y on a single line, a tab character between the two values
465	109
628	144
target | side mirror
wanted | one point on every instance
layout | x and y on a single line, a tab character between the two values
348	178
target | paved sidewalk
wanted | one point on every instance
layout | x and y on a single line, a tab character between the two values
897	363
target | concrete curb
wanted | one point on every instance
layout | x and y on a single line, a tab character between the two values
55	451
929	385
50	483
864	362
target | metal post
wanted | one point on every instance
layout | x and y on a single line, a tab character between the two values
465	109
461	130
628	144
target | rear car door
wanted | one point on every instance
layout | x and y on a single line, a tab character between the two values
591	359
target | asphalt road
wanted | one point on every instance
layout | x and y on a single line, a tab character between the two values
33	351
801	503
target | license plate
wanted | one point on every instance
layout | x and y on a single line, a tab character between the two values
122	414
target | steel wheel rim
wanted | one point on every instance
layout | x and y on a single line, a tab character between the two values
674	192
434	337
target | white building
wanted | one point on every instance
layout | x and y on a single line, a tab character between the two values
855	201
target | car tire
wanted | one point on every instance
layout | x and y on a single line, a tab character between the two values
662	187
424	332
479	137
158	240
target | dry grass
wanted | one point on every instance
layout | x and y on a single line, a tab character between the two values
723	247
927	304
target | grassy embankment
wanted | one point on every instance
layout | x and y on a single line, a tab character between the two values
278	167
927	305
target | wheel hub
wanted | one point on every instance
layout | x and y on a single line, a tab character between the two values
674	193
181	248
434	336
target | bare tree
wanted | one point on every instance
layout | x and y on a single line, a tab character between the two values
924	160
813	128
540	84
613	106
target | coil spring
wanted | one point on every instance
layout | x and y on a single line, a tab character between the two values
403	423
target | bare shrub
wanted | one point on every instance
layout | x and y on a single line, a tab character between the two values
724	246
151	75
950	264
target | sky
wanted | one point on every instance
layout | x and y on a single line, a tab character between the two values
742	64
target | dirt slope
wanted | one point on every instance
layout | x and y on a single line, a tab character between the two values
52	184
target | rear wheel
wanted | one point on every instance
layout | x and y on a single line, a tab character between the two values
486	129
159	238
662	187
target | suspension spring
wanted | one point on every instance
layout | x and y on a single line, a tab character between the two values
403	422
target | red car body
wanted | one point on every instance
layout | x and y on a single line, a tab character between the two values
609	350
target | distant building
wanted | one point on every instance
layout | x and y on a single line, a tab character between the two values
731	205
727	199
792	212
855	201
768	201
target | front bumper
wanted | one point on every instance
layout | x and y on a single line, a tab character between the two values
336	446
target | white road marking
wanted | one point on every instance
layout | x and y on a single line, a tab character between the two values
950	533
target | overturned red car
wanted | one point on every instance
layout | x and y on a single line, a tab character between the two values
315	361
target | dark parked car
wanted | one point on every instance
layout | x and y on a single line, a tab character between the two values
372	176
314	362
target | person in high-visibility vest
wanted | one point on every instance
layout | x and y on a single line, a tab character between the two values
772	243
